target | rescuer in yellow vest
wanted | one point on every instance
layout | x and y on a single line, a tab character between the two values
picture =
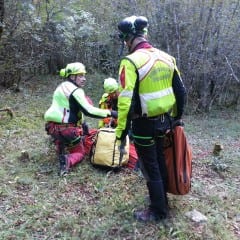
68	108
150	89
109	101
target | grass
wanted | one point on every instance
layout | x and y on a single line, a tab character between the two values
91	204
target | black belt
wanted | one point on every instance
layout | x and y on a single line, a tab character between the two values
158	117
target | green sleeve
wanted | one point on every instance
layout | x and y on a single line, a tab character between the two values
88	109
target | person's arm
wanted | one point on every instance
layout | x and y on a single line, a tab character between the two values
103	105
127	78
103	101
86	108
179	92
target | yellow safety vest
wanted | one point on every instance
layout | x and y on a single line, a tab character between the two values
103	105
155	71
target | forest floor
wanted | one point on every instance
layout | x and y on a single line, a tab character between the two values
35	203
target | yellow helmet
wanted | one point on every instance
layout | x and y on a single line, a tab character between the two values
110	85
72	69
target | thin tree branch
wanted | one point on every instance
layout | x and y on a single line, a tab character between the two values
234	75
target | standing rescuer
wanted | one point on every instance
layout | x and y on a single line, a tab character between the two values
69	104
151	89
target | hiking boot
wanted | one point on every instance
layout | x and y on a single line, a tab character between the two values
147	215
64	166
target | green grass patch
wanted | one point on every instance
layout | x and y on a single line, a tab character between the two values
35	203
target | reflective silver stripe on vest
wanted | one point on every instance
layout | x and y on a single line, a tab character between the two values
126	93
66	115
154	56
155	95
67	88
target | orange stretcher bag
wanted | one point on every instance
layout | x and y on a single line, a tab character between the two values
133	157
178	156
89	140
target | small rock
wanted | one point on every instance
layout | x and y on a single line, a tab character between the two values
217	149
24	157
237	217
196	216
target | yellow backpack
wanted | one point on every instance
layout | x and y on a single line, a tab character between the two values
105	150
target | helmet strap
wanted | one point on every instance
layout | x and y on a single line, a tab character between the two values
72	78
131	43
120	52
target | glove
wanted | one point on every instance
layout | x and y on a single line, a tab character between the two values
85	128
177	122
114	114
121	146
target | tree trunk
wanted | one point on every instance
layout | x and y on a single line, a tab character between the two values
1	16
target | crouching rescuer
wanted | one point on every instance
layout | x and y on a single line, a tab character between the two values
64	118
150	89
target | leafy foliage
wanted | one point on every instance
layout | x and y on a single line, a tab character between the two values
43	36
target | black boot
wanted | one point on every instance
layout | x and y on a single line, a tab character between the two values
63	165
157	209
165	184
146	215
158	198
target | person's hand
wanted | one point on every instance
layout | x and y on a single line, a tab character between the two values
114	114
121	146
178	122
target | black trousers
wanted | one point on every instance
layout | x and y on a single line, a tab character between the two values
148	137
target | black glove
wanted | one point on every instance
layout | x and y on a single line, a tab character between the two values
121	146
85	128
114	114
177	122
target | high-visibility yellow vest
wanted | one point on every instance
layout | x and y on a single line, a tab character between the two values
154	70
103	105
155	73
61	110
